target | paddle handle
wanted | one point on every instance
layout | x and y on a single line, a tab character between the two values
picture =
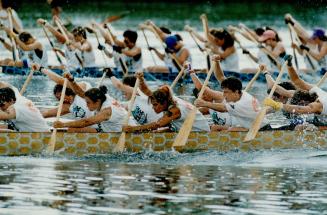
29	78
308	56
51	44
147	43
264	49
321	81
180	74
294	53
204	20
131	102
67	40
205	83
120	59
248	87
14	51
279	77
52	142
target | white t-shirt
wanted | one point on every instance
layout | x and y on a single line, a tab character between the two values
245	110
28	117
222	118
143	112
231	63
118	115
322	97
200	121
79	107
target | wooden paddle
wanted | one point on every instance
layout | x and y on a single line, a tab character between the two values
186	128
173	57
264	49
261	115
147	42
67	41
27	81
180	74
92	31
13	43
115	18
52	142
51	44
306	54
294	53
321	81
121	142
121	61
248	87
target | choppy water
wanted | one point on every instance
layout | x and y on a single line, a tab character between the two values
261	182
266	182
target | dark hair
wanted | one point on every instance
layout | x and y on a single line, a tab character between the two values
303	98
129	80
96	94
163	95
7	95
58	89
222	34
286	85
165	30
24	36
131	35
259	31
179	37
232	83
79	31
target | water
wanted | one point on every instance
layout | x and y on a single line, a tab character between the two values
260	182
167	183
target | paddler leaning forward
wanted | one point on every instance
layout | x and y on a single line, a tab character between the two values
19	113
242	106
108	113
175	111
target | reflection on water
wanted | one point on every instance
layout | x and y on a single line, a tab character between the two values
101	185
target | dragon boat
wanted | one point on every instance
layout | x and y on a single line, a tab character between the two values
81	144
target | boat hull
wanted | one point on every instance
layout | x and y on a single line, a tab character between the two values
80	144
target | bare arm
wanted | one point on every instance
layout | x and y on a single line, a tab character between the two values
23	46
9	114
144	87
103	115
214	106
162	122
297	80
319	55
219	74
6	44
53	112
119	85
183	57
280	90
314	107
215	95
132	52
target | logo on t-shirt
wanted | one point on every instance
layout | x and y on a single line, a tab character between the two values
217	120
139	115
79	112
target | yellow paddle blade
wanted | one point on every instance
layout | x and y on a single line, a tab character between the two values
186	128
121	143
256	125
